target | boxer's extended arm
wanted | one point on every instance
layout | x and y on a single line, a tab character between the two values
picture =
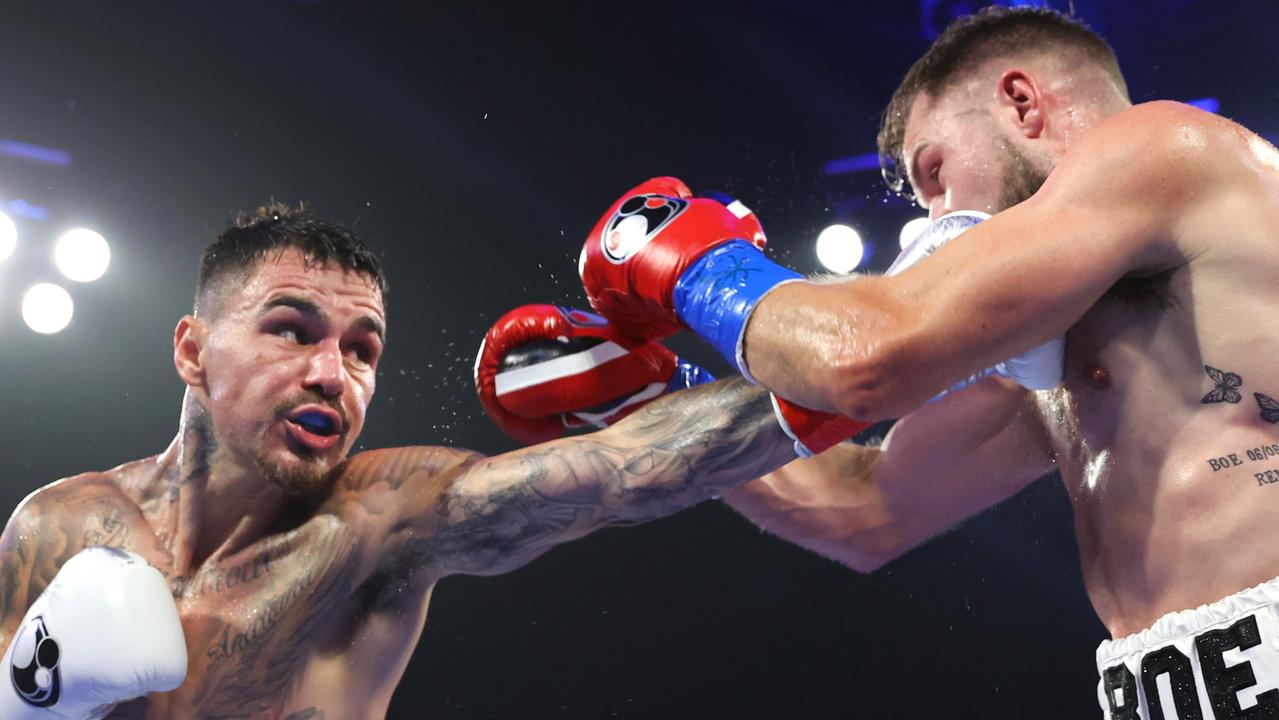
942	463
485	516
881	347
669	455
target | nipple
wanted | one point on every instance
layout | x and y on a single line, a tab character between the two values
1097	376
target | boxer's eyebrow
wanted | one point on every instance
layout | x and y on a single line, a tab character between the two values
306	307
301	304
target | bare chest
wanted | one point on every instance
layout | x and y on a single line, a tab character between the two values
1127	375
254	622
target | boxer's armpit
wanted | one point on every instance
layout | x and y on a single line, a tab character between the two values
506	510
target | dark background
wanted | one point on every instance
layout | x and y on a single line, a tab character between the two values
475	144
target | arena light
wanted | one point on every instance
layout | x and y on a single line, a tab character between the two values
911	230
82	255
47	308
840	249
8	236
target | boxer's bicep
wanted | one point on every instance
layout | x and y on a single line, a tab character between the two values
865	506
503	511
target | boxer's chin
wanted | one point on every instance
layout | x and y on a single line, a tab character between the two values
1021	178
297	478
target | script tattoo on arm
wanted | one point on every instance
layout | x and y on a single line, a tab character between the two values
50	527
504	511
1226	387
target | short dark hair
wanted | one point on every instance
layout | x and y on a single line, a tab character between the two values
274	228
972	40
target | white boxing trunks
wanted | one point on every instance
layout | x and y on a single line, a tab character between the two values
1216	662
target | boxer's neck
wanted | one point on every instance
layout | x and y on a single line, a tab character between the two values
218	503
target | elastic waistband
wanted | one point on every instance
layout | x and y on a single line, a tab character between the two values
1183	623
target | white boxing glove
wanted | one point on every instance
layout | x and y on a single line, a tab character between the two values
1037	369
104	631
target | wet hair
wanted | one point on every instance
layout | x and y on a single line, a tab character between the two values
970	41
271	230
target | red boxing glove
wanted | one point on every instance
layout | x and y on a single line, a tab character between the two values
814	431
542	369
638	250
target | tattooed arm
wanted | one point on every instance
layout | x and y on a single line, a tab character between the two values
17	550
50	526
504	511
486	516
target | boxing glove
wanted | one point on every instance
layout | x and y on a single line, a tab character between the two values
543	369
1036	369
661	259
104	631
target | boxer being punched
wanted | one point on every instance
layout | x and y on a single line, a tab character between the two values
255	570
1148	235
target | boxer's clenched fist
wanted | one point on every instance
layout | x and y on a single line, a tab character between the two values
104	631
637	253
543	368
1037	369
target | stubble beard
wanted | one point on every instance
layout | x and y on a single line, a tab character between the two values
304	480
1021	178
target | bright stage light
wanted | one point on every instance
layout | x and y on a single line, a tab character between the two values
47	308
839	248
8	236
82	255
911	230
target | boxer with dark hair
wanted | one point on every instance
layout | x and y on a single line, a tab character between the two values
1147	234
255	569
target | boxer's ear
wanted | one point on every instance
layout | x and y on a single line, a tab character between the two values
188	342
1020	95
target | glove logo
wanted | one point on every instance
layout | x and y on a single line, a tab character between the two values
37	682
636	222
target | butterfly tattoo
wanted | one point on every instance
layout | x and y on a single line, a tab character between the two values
1227	386
1269	408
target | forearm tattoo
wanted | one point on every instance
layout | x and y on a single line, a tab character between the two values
669	455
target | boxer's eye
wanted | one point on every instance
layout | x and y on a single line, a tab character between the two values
928	185
292	333
361	352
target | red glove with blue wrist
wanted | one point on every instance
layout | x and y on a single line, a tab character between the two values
661	259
